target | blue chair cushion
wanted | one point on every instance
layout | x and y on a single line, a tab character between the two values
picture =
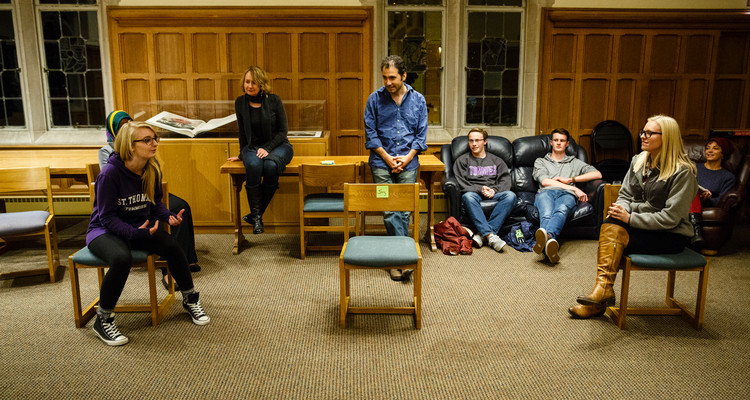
86	257
324	202
381	251
685	259
20	223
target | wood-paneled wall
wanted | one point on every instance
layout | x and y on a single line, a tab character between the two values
627	65
195	57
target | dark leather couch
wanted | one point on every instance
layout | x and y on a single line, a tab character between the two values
718	222
520	156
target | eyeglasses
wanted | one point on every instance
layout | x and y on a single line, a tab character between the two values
647	134
147	141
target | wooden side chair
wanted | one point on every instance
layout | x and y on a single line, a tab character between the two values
320	196
687	260
85	259
29	224
381	252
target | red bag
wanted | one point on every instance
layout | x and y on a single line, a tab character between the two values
452	238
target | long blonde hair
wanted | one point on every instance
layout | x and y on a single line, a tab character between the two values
672	156
124	143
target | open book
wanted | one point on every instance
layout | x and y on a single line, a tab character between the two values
187	126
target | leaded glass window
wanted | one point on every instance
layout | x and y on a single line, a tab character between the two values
73	65
492	68
11	104
517	3
417	36
415	2
81	2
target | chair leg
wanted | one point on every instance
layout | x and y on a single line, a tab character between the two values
152	291
418	296
80	315
302	243
344	287
671	279
53	254
700	302
75	287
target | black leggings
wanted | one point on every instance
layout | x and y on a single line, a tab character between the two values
644	241
116	252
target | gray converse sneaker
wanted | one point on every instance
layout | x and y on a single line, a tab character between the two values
195	309
495	242
477	238
107	331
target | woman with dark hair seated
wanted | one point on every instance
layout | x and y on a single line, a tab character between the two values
650	215
714	181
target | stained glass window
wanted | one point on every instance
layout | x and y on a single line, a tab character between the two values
492	68
81	2
73	65
415	2
11	104
417	36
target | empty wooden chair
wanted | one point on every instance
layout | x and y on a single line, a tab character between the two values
381	252
320	196
29	224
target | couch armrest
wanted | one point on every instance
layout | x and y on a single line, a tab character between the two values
453	195
595	190
731	199
715	216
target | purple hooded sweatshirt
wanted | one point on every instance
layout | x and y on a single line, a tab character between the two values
121	206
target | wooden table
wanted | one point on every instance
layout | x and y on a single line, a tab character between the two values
429	167
61	162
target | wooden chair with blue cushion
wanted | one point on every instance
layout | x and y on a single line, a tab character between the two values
687	260
29	224
320	196
381	252
85	259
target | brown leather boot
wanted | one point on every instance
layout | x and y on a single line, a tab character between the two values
612	241
579	311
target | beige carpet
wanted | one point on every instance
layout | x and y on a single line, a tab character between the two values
494	326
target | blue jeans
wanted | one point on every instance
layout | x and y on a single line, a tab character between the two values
505	201
554	207
396	223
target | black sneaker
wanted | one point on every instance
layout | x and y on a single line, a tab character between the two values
107	331
195	309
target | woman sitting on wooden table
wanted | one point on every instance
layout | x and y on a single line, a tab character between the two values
264	147
126	216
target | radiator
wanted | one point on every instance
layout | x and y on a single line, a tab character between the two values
66	205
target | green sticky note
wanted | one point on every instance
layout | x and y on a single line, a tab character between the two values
381	192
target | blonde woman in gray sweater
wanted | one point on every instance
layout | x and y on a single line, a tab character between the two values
650	215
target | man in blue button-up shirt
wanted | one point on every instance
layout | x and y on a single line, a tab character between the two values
396	132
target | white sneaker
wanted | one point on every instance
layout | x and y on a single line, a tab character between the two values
541	240
468	230
495	242
477	238
551	249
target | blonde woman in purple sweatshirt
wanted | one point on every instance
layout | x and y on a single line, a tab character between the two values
126	216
